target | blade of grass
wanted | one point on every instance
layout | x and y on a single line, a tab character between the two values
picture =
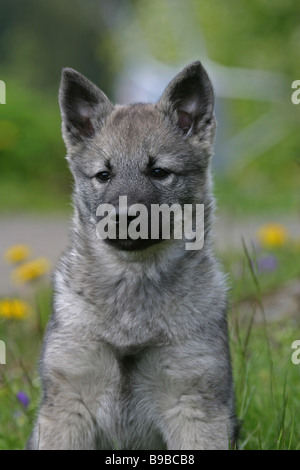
291	427
282	418
259	298
249	437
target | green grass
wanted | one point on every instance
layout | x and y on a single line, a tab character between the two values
287	260
266	383
23	339
266	380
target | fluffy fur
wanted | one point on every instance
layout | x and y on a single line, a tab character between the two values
136	351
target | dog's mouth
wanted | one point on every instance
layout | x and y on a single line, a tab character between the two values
132	245
147	227
132	235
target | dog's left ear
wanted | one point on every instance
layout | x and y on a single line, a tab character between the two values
189	100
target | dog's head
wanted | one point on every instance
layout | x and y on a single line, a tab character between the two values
149	153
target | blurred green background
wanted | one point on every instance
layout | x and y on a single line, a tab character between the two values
131	49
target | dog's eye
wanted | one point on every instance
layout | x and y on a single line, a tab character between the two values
159	173
103	176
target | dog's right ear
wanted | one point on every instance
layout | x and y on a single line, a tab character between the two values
83	107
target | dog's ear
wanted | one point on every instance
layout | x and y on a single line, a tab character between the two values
189	100
83	106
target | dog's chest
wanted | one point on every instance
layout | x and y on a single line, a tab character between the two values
133	417
130	318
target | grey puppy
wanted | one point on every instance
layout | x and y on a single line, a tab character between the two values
136	352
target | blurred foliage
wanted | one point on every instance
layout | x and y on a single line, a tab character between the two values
96	37
259	34
38	38
33	170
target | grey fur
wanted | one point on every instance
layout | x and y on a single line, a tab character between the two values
136	351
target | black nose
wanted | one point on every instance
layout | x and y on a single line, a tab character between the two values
130	218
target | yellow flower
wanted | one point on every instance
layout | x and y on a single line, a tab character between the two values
30	270
272	235
17	253
14	308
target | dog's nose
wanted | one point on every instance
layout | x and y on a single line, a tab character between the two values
123	214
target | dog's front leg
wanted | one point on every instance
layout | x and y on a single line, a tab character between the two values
186	427
80	397
195	400
63	427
